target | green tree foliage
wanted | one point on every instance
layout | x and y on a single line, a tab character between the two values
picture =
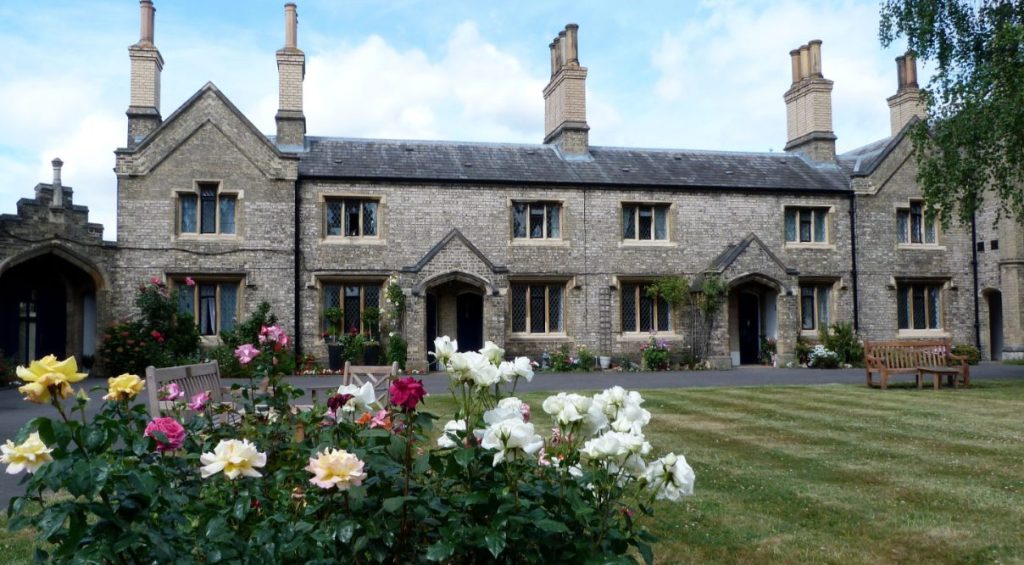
970	146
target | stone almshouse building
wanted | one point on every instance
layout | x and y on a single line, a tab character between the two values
528	245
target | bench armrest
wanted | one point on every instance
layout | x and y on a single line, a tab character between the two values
872	361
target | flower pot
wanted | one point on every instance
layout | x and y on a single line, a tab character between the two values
605	361
371	355
335	356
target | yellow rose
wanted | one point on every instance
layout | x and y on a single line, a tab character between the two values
234	458
47	376
28	456
123	387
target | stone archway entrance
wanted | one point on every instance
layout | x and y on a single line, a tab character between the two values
47	306
753	316
455	307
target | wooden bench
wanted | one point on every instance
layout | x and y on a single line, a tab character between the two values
192	379
914	357
380	376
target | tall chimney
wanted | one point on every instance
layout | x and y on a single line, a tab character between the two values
144	103
565	97
907	103
809	106
291	70
58	189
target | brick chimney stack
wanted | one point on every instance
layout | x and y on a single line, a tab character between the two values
809	106
144	104
907	103
291	70
565	97
58	189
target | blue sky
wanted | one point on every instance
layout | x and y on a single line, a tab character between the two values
702	75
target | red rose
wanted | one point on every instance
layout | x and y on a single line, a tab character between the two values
407	392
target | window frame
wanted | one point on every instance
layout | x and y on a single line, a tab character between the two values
361	283
908	235
529	284
342	200
529	204
218	281
827	210
908	286
818	286
220	194
654	207
640	291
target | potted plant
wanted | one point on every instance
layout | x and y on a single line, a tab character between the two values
335	349
371	346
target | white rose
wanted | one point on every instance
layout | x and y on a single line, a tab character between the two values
492	352
444	347
453	427
506	371
510	438
481	371
458	367
362	397
523	368
671	477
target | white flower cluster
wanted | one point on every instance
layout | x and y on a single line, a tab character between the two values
483	368
821	356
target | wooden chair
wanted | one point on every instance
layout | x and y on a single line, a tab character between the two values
192	379
379	375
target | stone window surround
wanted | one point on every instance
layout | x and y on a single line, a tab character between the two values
830	216
834	284
343	280
239	195
379	239
945	285
672	334
567	282
905	205
177	280
670	229
560	241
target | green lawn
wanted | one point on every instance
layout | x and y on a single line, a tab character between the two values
835	473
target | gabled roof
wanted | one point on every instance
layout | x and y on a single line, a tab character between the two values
425	161
863	161
726	259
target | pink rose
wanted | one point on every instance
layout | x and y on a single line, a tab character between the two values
156	281
189	281
173	432
199	401
407	392
246	353
273	334
171	392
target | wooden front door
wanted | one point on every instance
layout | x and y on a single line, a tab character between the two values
749	328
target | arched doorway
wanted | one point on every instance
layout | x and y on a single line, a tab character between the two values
994	301
753	315
47	306
455	307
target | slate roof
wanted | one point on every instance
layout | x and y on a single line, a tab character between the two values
382	159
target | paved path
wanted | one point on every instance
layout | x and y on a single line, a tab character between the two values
15	412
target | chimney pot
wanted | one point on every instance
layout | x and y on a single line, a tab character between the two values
571	49
553	46
910	72
815	57
57	201
147	20
291	23
57	164
901	73
794	57
805	62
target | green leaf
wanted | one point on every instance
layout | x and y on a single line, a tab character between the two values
396	449
52	520
495	542
344	531
464	456
645	551
95	437
440	551
394	504
553	526
241	507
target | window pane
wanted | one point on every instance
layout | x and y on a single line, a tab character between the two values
661	222
934	318
207	309
790	224
915	223
352	218
646	311
644	222
554	221
188	213
537	309
228	306
519	308
227	214
807	308
519	220
929	230
805	225
369	217
352	308
331	297
208	210
822	298
902	305
187	300
555	308
371	296
917	294
819	225
902	218
628	222
332	210
536	221
663	315
629	307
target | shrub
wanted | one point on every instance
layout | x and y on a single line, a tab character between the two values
840	338
398	350
967	350
248	330
822	358
802	350
562	360
585	359
351	482
655	354
769	347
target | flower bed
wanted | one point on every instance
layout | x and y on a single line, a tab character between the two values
351	481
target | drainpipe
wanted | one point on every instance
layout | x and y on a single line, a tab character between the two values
297	253
974	273
853	259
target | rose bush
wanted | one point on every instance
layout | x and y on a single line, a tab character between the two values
356	481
